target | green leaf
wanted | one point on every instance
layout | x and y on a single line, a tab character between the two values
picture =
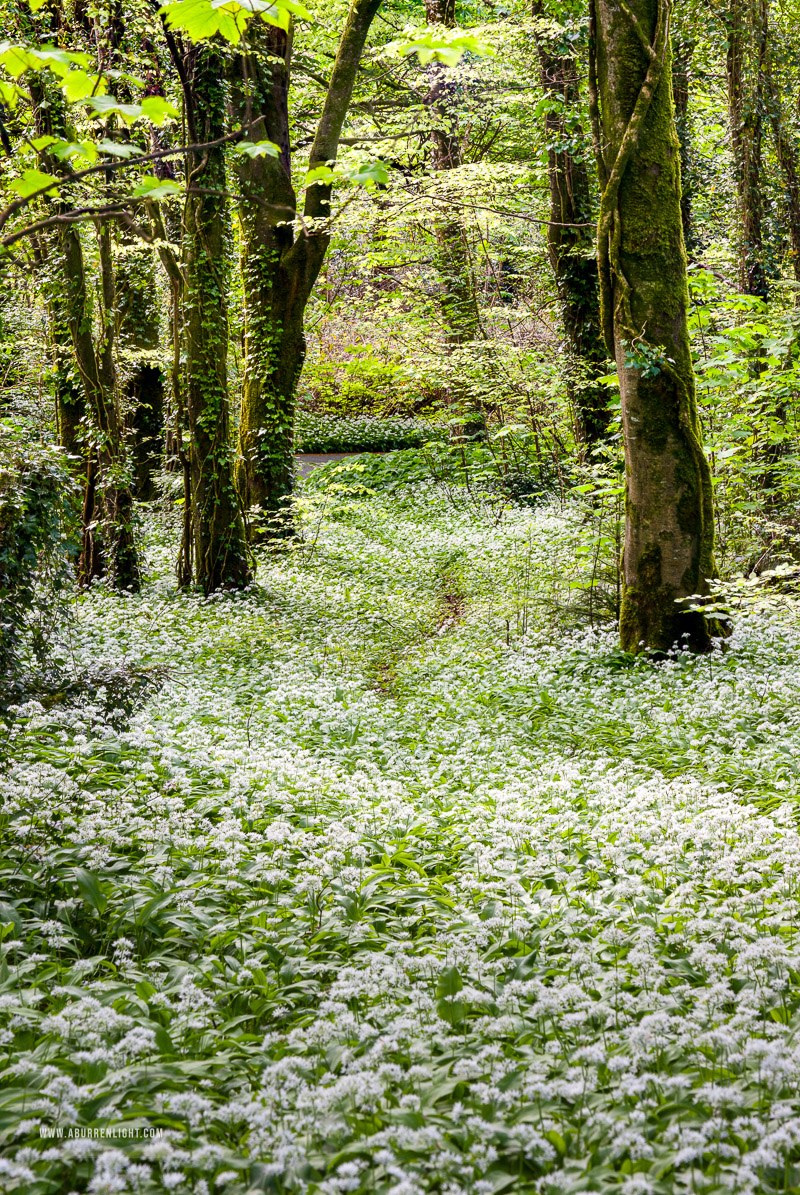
439	45
90	889
77	85
450	983
203	19
257	149
151	187
157	110
32	181
117	149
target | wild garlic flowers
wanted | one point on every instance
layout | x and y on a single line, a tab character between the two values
354	904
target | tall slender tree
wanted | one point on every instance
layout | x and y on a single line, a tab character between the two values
571	232
747	32
669	525
219	545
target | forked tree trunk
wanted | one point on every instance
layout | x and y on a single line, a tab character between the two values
571	241
669	528
220	551
745	62
279	266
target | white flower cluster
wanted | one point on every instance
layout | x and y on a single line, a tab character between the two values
374	895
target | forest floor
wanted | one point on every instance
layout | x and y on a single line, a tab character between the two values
389	881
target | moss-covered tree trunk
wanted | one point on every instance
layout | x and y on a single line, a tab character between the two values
273	301
745	62
669	529
219	549
69	394
108	546
138	340
571	235
279	265
682	53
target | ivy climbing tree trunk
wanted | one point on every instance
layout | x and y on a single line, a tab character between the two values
745	61
669	527
138	339
219	545
571	234
280	265
108	546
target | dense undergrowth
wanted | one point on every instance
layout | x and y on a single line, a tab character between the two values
389	882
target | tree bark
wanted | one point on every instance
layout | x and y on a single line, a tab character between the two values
745	61
279	266
138	340
571	241
219	544
669	527
682	53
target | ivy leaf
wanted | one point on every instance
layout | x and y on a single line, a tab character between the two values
32	181
151	187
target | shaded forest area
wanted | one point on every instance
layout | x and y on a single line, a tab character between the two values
399	566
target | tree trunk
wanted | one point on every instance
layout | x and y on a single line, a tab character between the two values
69	396
273	307
571	241
220	552
786	151
458	299
138	339
682	52
108	544
280	268
746	52
669	530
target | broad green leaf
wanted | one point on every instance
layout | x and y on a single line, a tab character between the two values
257	149
9	94
77	85
90	889
151	187
203	19
157	109
117	149
32	181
